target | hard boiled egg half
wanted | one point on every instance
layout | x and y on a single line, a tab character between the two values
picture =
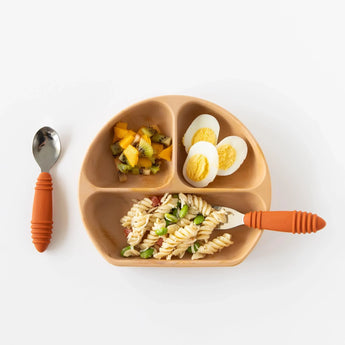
201	165
205	127
232	151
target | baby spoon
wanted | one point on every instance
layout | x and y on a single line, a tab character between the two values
46	149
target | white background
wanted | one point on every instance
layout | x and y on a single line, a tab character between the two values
277	65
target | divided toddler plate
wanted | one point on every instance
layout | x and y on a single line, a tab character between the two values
104	200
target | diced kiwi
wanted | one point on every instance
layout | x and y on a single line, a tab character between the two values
135	171
122	177
123	159
124	168
116	149
149	131
156	138
160	138
166	141
145	148
154	169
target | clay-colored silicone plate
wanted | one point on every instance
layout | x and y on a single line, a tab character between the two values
103	200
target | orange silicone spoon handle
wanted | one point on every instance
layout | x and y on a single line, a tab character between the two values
287	221
42	212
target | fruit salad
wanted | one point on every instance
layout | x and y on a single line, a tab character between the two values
141	152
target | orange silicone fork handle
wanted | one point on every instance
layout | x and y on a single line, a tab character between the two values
42	212
287	221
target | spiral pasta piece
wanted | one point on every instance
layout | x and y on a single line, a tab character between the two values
152	237
183	199
165	197
213	246
168	204
182	222
181	249
138	224
140	207
197	203
141	222
180	236
210	223
172	228
131	252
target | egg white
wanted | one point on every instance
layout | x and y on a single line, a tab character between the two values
210	152
202	121
241	149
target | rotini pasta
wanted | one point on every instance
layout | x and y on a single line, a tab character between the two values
165	197
167	205
170	228
140	207
152	237
213	246
180	250
197	203
210	223
141	223
180	236
131	252
138	224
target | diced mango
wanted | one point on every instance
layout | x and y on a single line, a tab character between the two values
127	140
140	132
146	138
132	155
157	148
144	162
122	125
119	133
132	132
166	153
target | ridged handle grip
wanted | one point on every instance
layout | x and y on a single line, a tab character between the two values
287	221
42	212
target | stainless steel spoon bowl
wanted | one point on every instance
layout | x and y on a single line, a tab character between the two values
46	148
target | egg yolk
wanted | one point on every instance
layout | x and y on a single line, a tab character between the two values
227	156
197	167
204	134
